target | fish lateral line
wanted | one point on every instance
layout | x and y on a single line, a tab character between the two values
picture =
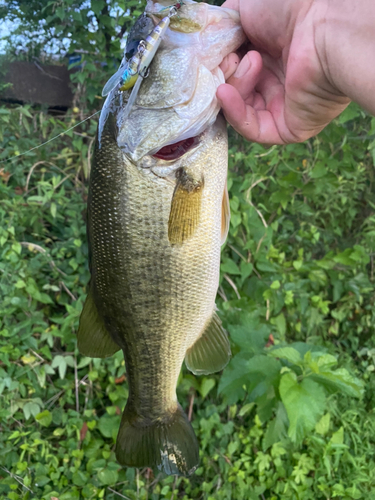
10	158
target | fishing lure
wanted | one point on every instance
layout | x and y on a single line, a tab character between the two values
177	6
131	73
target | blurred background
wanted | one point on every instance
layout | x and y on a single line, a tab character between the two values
292	416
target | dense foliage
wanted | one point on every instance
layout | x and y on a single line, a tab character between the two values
292	416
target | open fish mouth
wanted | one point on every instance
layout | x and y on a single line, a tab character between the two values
175	151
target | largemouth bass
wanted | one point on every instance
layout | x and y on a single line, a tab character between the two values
158	213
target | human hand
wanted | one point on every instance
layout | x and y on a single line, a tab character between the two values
279	93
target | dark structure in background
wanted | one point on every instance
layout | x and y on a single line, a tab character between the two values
36	83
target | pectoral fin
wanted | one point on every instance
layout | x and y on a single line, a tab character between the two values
211	352
93	339
225	216
185	209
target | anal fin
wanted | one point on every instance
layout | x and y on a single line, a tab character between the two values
94	340
211	352
185	209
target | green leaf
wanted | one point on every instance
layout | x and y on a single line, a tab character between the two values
280	324
60	363
304	403
31	408
109	426
206	386
60	12
322	427
230	267
53	210
97	6
233	380
318	171
84	362
350	113
338	437
258	375
79	478
246	269
277	428
297	264
107	476
288	353
250	338
44	418
246	409
340	381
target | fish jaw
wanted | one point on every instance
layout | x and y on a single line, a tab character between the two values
178	99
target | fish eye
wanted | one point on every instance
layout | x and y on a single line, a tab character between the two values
177	150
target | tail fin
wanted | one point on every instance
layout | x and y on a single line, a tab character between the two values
169	444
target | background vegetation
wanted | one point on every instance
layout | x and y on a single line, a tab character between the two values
292	416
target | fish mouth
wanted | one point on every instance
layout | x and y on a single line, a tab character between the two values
178	149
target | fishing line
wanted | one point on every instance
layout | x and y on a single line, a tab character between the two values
49	140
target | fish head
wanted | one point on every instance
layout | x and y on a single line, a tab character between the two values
177	102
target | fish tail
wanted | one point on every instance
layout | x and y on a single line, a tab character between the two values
168	444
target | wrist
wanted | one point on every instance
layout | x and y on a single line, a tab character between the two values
316	29
346	48
327	29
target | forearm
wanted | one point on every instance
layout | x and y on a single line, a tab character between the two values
347	48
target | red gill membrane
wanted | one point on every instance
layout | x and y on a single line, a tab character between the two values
175	151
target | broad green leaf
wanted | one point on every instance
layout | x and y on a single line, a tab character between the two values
206	386
234	379
60	363
97	6
84	362
280	323
44	418
304	402
250	338
338	437
246	269
288	353
107	476
31	408
109	426
339	380
79	478
277	428
230	267
322	427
